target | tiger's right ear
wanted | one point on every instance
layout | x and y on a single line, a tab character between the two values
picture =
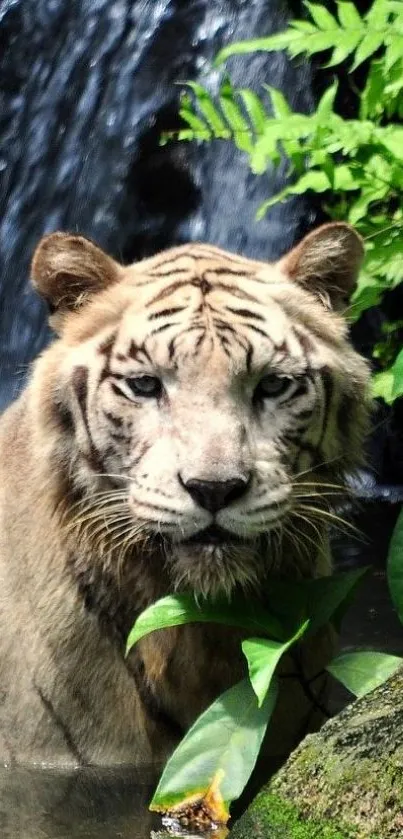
68	270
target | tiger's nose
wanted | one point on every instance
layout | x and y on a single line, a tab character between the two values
214	495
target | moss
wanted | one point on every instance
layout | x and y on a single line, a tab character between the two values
362	791
270	817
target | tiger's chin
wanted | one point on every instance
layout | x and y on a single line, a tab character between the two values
213	570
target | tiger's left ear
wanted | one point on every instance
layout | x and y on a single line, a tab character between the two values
68	270
326	263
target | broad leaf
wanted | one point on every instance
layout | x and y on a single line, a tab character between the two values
395	567
214	761
263	656
179	609
318	601
361	672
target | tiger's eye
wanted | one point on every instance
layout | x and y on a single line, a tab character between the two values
271	386
148	386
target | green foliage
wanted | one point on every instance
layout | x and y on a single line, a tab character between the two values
395	567
357	164
348	35
176	610
263	655
214	761
362	672
218	753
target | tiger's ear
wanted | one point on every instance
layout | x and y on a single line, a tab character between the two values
326	263
67	270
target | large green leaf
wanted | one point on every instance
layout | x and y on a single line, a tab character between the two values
179	609
263	656
214	761
361	672
318	601
395	566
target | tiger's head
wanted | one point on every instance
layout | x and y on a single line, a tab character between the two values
202	403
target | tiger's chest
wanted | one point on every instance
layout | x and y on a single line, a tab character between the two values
180	671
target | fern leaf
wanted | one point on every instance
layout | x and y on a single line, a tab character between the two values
350	42
271	43
369	44
326	102
348	15
314	180
198	127
208	109
239	126
255	110
321	16
371	104
394	51
378	14
279	103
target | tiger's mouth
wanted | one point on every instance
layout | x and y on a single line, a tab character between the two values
215	535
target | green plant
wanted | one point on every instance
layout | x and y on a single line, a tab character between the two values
357	164
212	764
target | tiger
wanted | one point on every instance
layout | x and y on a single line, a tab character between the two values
186	431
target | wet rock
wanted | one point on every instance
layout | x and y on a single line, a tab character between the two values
346	782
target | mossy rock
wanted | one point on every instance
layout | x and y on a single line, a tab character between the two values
346	782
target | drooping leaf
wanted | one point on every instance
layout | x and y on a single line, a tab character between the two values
179	609
263	656
395	567
214	761
361	672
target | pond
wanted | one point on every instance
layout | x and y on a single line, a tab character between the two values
112	804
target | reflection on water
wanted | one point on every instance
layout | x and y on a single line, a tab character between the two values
113	804
84	804
40	803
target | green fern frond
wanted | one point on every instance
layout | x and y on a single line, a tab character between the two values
350	34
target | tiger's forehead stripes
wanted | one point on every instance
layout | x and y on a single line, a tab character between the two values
191	335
